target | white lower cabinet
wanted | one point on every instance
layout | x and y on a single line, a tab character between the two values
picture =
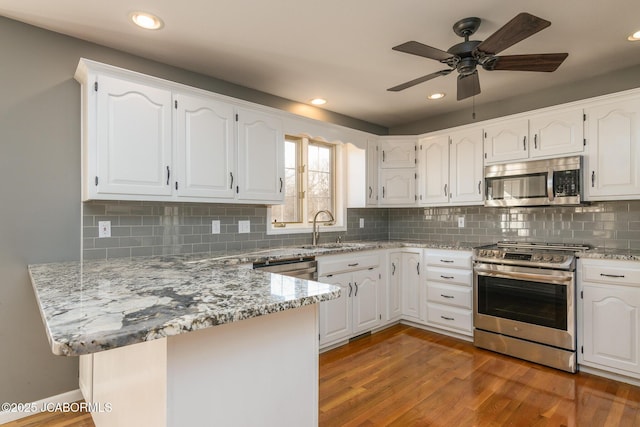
411	286
359	308
449	278
394	286
609	315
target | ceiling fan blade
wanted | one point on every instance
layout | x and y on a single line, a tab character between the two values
519	28
419	80
416	48
545	62
468	85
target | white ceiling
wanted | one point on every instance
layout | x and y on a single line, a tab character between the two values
341	49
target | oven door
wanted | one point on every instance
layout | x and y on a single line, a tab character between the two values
533	304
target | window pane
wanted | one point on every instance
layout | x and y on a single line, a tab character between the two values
320	179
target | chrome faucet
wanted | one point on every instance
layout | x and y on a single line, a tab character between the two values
316	234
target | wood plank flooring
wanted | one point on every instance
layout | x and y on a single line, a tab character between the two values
405	376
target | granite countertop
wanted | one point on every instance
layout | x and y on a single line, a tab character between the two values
610	253
93	306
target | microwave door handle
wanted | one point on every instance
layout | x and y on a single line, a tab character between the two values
550	185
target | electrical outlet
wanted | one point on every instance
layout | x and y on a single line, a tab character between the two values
104	229
244	226
460	222
361	222
215	226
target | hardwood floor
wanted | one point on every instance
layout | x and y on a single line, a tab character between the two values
405	376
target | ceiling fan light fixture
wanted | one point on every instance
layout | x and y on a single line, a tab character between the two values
437	95
634	37
146	20
318	101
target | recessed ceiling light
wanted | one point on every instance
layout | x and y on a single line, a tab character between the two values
437	95
318	101
146	20
634	37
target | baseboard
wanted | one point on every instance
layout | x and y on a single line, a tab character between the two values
40	405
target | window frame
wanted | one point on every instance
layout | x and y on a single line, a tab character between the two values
339	190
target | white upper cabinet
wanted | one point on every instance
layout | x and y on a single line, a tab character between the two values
260	157
205	164
550	134
612	165
372	173
506	141
132	150
397	152
150	139
450	170
397	187
465	167
433	170
556	133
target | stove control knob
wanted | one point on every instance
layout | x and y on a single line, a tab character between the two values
547	257
536	257
558	258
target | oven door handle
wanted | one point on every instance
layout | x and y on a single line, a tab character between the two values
546	278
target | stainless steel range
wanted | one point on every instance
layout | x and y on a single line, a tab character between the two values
524	301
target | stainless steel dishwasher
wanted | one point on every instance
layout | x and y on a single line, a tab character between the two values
300	267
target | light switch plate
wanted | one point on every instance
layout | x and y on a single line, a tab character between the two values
104	229
361	222
244	226
215	226
460	222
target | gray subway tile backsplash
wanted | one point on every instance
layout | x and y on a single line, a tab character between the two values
153	228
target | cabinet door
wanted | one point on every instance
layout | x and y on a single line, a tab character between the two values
133	139
557	133
335	315
397	153
613	162
434	170
611	326
466	167
205	147
411	294
366	307
394	288
506	141
398	187
372	173
260	157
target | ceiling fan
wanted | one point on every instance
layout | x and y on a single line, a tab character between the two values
467	55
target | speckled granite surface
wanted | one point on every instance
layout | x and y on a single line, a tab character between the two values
99	305
613	254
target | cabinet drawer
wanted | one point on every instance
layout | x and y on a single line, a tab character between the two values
450	317
458	277
347	262
618	273
449	295
450	259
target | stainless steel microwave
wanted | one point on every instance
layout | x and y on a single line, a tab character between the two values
536	183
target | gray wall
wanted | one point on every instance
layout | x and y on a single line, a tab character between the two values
628	78
603	224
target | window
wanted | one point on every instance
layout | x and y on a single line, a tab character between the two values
311	177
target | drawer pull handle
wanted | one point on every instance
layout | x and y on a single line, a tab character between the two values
447	318
393	265
446	277
353	265
448	261
617	276
446	296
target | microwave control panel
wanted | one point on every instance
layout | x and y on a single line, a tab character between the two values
566	183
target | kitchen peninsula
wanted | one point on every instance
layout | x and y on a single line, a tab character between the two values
150	354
